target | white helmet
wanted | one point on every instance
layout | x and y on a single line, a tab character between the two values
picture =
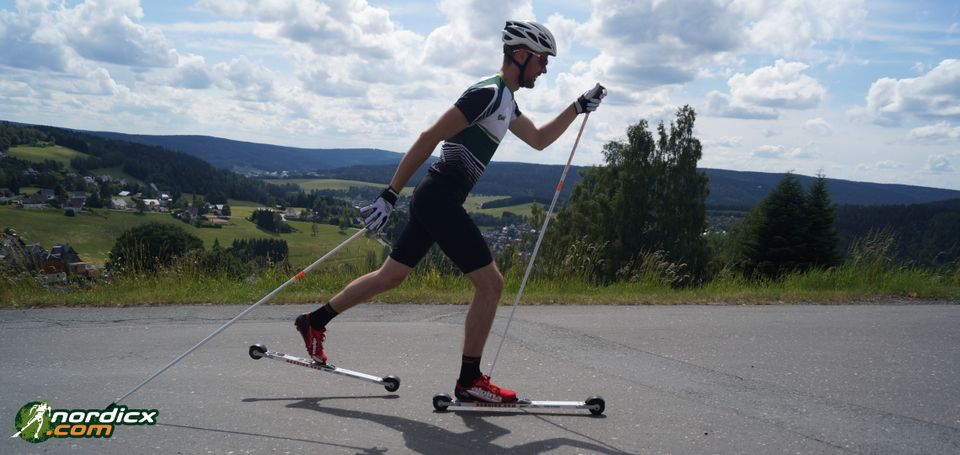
530	35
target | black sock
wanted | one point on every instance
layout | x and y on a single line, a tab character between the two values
320	318
469	370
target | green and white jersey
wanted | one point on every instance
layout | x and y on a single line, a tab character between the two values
489	107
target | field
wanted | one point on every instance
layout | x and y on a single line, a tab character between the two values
93	234
309	185
115	172
472	204
56	153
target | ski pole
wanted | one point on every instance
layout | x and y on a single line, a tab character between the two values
536	247
244	313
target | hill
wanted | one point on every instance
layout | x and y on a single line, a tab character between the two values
524	181
728	189
248	156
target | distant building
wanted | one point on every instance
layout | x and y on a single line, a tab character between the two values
35	201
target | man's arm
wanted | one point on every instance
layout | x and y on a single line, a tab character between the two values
448	125
541	138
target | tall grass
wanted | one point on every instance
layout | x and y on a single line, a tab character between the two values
870	275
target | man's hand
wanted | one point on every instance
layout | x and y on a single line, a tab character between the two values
378	212
590	100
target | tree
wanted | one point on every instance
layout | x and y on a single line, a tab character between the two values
822	237
94	200
151	246
649	197
773	237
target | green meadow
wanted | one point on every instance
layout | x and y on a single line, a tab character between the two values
56	153
93	234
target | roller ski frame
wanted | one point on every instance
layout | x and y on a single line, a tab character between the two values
259	351
596	405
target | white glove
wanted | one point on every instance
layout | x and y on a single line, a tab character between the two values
590	100
378	212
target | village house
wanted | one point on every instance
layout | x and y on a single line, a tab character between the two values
75	205
63	261
34	201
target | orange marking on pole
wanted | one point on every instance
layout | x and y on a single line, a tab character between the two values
299	275
560	185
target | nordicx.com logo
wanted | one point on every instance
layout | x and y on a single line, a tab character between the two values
37	421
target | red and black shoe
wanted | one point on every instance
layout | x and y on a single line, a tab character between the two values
312	338
483	390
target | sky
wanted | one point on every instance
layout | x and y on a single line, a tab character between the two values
851	89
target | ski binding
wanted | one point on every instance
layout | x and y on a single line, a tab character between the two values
259	351
594	404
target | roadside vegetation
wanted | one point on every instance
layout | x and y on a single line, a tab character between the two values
633	231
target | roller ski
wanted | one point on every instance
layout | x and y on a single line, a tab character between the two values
596	405
481	393
259	351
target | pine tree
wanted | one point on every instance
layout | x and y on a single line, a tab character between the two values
822	236
775	237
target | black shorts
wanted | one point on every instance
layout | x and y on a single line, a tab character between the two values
437	215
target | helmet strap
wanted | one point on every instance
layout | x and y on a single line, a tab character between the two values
523	67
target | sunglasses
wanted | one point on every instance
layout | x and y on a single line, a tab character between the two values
541	57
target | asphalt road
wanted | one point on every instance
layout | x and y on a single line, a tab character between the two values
676	379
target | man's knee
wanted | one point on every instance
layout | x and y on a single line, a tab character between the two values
488	280
392	276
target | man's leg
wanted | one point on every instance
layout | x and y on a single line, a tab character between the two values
487	288
312	326
389	276
473	385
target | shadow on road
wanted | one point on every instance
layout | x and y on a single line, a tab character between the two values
424	438
360	450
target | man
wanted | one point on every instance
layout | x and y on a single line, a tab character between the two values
470	131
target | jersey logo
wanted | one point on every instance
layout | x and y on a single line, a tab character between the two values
501	117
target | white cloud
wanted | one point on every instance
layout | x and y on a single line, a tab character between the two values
779	86
46	34
939	133
939	164
723	105
889	164
792	27
30	39
107	31
722	142
818	127
933	95
352	38
759	94
651	43
192	73
250	81
470	40
781	152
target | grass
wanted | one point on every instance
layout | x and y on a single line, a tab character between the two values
56	153
116	172
309	185
847	284
93	234
473	203
522	210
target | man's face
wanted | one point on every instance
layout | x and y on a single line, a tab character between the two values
536	66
